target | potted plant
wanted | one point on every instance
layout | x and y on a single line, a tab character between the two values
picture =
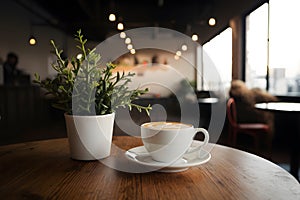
89	95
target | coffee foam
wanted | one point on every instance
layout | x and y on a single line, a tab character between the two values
166	125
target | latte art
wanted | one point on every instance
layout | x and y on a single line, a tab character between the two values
166	125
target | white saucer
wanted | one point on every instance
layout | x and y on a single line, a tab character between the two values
141	156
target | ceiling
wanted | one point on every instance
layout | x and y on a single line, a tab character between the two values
185	16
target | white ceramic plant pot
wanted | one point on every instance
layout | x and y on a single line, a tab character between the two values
90	137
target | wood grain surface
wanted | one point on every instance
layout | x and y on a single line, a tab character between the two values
44	170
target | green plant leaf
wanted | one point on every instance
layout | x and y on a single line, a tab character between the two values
86	85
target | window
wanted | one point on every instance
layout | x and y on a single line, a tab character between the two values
217	58
257	47
284	47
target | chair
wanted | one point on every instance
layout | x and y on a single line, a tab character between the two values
256	130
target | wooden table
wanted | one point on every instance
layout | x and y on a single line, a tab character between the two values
44	170
293	110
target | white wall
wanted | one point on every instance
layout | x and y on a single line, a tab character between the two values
15	30
162	78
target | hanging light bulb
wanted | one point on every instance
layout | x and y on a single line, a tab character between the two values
132	51
127	40
129	46
212	21
122	35
32	40
120	26
112	17
194	37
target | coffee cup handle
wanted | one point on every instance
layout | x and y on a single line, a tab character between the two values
205	142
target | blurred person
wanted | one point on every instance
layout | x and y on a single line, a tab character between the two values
10	71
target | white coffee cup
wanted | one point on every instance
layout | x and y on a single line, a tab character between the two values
169	141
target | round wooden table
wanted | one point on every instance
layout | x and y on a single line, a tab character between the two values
44	170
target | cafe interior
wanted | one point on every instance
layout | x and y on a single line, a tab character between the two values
227	57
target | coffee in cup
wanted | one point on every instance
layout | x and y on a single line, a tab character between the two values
169	141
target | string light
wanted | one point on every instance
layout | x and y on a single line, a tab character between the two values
129	46
120	26
127	40
184	47
112	17
122	35
32	41
212	21
195	37
79	56
132	51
